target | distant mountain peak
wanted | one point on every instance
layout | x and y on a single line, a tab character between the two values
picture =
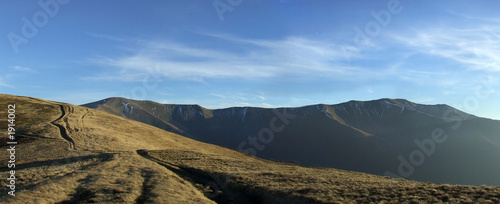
378	109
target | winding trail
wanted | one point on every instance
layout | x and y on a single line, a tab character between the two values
146	187
63	130
221	192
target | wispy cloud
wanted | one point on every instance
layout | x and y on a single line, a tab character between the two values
239	98
23	69
107	37
469	48
469	17
241	104
292	56
4	84
475	47
440	78
218	95
452	57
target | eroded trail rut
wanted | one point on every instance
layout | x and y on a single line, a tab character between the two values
63	130
218	190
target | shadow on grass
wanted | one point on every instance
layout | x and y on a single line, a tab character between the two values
146	193
60	162
220	188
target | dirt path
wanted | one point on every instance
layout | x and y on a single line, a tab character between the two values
63	130
214	188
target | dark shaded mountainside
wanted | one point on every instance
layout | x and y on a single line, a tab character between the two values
73	154
392	137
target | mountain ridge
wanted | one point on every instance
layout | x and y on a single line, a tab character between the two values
371	134
394	100
441	111
336	112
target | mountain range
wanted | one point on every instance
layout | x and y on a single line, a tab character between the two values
65	153
390	137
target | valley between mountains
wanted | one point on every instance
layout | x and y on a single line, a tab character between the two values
75	154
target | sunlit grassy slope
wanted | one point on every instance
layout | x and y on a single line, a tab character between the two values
70	154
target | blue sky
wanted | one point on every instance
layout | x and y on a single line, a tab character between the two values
254	52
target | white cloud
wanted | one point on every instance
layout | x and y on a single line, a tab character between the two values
107	37
423	99
218	95
451	57
241	104
240	97
484	19
5	84
292	56
476	47
23	69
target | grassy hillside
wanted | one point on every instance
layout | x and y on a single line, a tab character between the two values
69	154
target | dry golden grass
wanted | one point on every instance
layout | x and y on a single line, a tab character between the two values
69	154
266	181
102	166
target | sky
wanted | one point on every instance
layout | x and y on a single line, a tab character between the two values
225	53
